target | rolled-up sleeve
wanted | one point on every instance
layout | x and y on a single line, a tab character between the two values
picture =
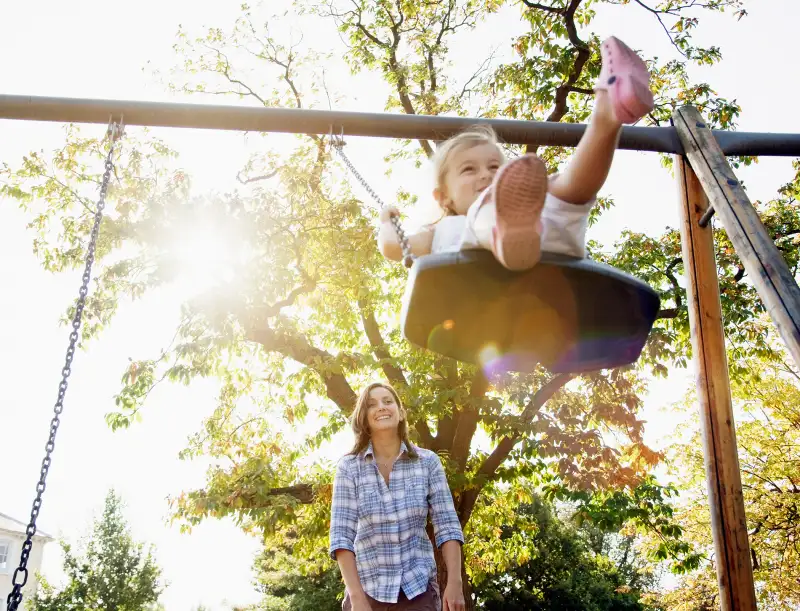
344	511
446	526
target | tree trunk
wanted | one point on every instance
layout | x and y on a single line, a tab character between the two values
441	573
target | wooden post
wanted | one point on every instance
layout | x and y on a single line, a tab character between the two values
723	479
762	260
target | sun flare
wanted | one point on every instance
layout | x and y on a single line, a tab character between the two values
206	256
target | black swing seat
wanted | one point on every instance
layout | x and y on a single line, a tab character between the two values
571	315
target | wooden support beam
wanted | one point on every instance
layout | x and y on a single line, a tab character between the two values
723	479
764	263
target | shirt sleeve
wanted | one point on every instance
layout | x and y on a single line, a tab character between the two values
446	526
344	511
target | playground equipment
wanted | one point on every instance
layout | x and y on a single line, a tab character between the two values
707	186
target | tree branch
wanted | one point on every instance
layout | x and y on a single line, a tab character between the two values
582	56
541	7
275	308
394	65
446	425
445	433
676	291
572	30
393	373
481	69
658	14
246	181
489	467
302	492
402	92
226	73
426	438
466	421
323	363
369	35
667	313
81	200
788	234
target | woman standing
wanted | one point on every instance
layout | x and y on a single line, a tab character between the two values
383	492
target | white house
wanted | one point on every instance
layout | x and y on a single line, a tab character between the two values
12	536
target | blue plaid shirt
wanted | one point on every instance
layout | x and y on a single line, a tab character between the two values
384	526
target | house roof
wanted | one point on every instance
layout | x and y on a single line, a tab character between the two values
10	524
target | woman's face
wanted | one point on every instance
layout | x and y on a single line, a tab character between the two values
383	413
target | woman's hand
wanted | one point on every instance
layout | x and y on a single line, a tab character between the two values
360	603
387	213
453	599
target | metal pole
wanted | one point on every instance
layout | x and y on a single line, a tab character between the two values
384	125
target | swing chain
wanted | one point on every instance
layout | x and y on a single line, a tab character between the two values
21	574
338	145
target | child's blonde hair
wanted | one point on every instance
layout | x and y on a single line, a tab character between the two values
474	135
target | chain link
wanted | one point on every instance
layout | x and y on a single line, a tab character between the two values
20	577
408	257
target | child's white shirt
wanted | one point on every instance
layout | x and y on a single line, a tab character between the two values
563	229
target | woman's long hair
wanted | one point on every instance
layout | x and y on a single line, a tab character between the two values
360	425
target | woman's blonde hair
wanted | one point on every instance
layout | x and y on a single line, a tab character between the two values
360	425
474	135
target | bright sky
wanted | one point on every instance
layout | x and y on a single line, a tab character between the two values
98	49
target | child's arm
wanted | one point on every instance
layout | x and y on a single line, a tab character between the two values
389	243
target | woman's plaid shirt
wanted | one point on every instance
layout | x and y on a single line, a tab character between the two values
384	526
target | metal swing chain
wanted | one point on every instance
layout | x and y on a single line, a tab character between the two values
408	256
20	577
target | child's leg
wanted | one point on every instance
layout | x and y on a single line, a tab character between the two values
622	96
507	219
587	170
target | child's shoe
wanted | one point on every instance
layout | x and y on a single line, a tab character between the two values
519	190
624	75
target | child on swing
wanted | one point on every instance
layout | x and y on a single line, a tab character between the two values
514	209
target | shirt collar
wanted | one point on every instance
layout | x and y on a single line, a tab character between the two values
368	453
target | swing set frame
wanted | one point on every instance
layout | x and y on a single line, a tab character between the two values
706	185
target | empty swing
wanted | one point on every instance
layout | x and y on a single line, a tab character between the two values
570	315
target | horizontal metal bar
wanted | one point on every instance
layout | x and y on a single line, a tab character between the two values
383	125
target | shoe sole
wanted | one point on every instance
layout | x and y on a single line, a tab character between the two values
519	194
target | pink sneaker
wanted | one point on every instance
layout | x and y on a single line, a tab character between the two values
624	75
519	190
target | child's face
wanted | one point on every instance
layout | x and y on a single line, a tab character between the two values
470	170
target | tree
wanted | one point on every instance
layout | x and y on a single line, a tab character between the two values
113	572
288	586
767	404
566	563
565	571
311	312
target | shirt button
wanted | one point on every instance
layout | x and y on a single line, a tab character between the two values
387	499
